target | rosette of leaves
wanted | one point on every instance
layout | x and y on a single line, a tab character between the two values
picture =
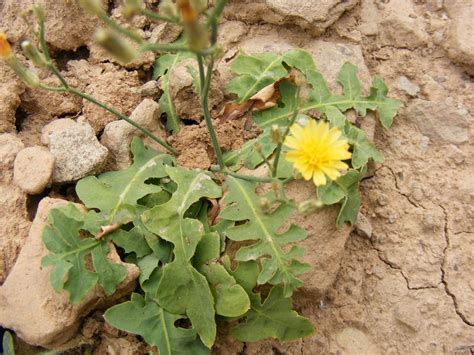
255	72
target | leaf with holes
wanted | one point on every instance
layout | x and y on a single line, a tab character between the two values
156	326
68	250
116	193
182	289
241	204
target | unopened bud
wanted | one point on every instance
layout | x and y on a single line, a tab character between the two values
33	54
265	205
199	5
39	13
168	8
309	206
5	48
275	134
132	7
116	45
94	7
26	75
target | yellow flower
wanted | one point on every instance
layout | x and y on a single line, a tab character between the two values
5	49
317	151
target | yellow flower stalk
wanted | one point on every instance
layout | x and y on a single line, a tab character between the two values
317	151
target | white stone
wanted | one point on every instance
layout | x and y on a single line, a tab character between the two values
33	169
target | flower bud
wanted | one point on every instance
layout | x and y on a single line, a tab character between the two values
275	134
309	206
168	8
5	49
39	13
94	7
132	7
26	75
33	54
116	45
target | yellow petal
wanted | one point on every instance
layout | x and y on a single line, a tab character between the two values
331	172
318	178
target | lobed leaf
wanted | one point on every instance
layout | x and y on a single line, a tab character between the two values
241	204
156	326
182	289
68	251
116	193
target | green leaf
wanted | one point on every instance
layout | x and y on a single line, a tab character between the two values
7	344
68	250
274	318
241	204
132	242
182	289
363	149
230	298
164	66
156	326
116	193
387	107
345	189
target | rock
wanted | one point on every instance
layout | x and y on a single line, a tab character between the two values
10	145
55	126
165	33
150	89
231	32
400	27
14	225
33	169
312	15
368	18
183	93
363	227
118	134
407	312
406	85
10	90
459	43
115	87
32	308
458	269
68	26
439	121
78	153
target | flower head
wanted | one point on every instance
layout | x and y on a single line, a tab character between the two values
317	151
5	49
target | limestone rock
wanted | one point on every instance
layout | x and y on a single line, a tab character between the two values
363	226
14	225
400	27
33	169
118	134
406	85
459	42
184	95
10	145
55	126
32	308
439	121
150	89
313	15
353	341
78	153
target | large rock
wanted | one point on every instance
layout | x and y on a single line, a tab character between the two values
459	42
58	125
78	153
118	134
312	15
439	121
33	169
14	225
31	307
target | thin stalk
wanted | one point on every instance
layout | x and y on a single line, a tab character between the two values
115	26
205	82
268	180
280	144
157	47
158	17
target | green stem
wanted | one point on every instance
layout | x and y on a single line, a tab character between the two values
115	26
280	144
205	81
268	180
158	17
156	47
